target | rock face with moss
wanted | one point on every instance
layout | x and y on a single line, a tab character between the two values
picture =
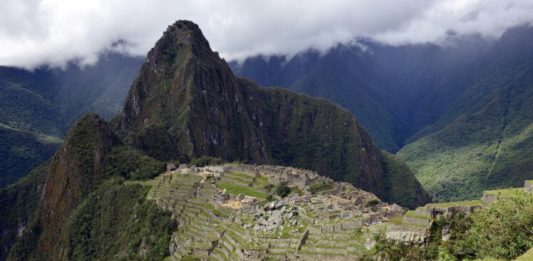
72	174
187	103
78	206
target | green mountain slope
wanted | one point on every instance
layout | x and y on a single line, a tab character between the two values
394	91
77	206
485	140
460	114
22	151
39	106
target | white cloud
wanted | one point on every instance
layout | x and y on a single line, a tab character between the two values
36	32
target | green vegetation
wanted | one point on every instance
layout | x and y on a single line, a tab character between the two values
205	161
526	257
39	106
132	164
504	192
400	184
238	189
501	230
411	213
21	151
117	222
505	228
456	203
487	146
372	203
390	250
19	205
282	189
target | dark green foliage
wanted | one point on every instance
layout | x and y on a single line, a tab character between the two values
269	187
130	163
461	116
21	151
116	222
205	161
502	230
372	203
400	185
457	248
391	250
89	142
505	228
18	207
96	216
485	139
282	189
157	142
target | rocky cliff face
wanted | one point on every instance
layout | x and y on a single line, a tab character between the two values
187	103
72	174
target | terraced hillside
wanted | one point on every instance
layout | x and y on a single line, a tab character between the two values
232	212
235	212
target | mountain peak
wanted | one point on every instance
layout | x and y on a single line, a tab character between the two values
181	38
186	103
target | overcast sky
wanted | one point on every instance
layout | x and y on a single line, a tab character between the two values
36	32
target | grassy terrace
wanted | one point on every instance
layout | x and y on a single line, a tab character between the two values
396	220
244	183
503	192
456	203
411	213
234	189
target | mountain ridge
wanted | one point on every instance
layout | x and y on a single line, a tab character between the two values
429	103
187	96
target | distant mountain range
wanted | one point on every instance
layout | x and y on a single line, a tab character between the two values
461	115
39	106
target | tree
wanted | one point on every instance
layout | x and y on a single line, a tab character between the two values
282	189
505	228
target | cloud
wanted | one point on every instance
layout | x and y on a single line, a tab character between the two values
53	32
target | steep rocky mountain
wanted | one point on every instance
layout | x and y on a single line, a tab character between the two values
89	200
78	196
442	105
187	103
39	106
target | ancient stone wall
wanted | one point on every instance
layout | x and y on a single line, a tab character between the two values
276	174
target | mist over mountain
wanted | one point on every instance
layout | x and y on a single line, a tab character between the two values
411	95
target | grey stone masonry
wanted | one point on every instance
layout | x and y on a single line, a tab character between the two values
528	186
276	174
